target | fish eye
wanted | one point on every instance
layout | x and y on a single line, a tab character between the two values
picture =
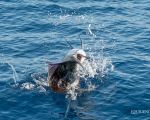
79	56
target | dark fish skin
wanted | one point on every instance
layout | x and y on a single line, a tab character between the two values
61	74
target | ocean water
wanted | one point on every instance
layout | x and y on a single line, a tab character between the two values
116	34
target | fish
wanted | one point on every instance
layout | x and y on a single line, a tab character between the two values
61	75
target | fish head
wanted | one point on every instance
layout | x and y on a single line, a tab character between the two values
76	55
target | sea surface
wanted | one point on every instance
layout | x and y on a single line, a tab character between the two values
116	35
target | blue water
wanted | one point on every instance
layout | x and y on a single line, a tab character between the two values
33	31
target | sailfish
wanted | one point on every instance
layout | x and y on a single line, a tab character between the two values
61	75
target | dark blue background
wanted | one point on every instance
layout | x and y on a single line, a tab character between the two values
34	30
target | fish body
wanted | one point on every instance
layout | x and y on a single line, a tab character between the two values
62	74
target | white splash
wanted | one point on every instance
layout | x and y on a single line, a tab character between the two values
91	68
72	90
90	31
98	66
15	75
27	86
